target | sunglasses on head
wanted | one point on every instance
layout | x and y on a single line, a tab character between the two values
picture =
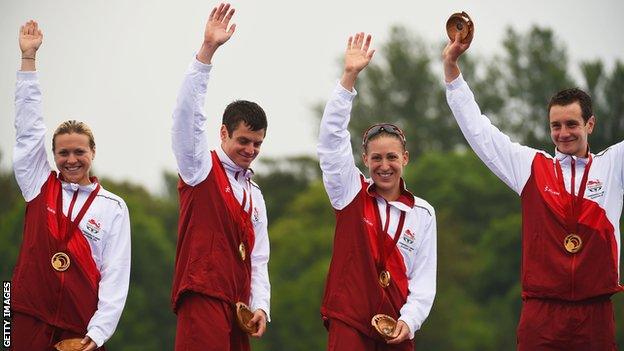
376	129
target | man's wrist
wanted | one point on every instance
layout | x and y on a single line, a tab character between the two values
206	52
29	53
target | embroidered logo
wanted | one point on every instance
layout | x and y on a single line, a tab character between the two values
227	189
93	226
50	209
407	240
92	230
367	221
595	188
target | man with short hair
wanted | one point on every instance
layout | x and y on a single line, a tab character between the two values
223	245
571	206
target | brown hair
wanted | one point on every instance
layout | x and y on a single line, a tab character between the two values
570	96
73	126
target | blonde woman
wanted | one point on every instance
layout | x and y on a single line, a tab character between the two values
72	273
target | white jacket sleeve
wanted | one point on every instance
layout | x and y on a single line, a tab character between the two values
30	161
422	278
260	285
114	280
188	134
340	175
510	161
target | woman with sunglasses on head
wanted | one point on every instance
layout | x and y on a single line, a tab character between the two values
71	278
384	256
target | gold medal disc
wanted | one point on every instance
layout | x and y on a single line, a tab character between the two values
384	325
60	261
462	24
384	278
242	251
572	243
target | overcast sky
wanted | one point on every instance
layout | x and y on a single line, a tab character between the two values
117	64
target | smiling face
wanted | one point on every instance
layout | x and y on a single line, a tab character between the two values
73	157
568	130
243	146
385	158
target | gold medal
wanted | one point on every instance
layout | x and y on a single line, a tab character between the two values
384	325
60	261
573	243
384	278
242	251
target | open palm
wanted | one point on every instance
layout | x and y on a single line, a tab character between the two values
217	31
357	55
30	37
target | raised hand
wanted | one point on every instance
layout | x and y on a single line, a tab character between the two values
357	57
30	38
217	31
453	50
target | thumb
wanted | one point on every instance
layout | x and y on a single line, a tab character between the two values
85	340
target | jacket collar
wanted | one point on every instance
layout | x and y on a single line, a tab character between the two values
405	202
232	167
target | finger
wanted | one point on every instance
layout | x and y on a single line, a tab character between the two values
457	37
359	40
212	13
253	320
370	55
35	27
261	330
40	34
399	338
228	17
21	30
349	42
367	43
218	12
232	29
397	330
224	12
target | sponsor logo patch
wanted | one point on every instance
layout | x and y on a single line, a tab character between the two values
552	191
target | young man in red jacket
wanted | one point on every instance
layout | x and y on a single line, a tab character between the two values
223	246
571	206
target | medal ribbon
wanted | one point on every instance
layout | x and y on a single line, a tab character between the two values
383	232
69	224
249	212
573	206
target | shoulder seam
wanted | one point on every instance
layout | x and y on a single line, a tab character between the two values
424	208
601	153
112	199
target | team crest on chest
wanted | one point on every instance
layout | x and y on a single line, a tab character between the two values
595	188
93	228
407	240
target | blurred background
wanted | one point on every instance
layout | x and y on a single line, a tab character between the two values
117	66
